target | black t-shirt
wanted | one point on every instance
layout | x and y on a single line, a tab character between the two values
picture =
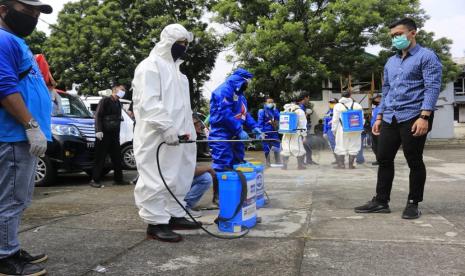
108	108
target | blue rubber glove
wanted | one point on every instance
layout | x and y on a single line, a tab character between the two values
243	136
258	133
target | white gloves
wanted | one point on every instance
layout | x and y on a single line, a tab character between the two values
37	141
171	137
99	135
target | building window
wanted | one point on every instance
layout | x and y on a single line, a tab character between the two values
459	86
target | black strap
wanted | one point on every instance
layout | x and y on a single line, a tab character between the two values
22	76
25	73
243	198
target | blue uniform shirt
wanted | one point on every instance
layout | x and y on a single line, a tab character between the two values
16	58
411	84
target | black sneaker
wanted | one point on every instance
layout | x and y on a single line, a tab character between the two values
16	265
162	232
32	259
183	224
411	211
94	184
373	206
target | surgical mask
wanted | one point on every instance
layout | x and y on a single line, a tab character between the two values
308	111
20	23
178	51
120	94
269	105
400	42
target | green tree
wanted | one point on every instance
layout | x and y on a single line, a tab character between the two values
99	43
294	45
36	42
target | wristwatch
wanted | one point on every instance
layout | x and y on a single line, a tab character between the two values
425	117
31	124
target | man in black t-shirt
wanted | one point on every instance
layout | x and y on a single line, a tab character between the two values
107	127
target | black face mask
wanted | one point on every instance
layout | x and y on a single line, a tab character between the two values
178	51
244	87
20	23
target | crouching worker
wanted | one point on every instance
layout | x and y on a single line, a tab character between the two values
228	117
203	180
163	112
347	143
293	143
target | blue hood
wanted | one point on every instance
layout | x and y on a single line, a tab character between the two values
238	78
72	121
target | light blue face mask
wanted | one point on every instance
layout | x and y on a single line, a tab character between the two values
269	105
400	42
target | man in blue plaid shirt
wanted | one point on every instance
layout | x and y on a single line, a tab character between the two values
412	82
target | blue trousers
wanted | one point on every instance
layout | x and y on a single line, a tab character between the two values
271	146
17	174
226	155
200	185
360	159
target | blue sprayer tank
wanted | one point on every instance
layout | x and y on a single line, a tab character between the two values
259	169
288	122
230	189
352	121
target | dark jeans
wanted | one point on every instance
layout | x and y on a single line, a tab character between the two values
308	150
392	137
109	145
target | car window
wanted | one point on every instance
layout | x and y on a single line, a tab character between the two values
72	106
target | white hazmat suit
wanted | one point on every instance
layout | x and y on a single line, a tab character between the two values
293	144
346	142
162	105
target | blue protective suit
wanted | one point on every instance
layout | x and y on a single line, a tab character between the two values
266	116
327	129
228	115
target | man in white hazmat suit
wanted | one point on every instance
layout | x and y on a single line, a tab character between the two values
163	113
293	144
347	143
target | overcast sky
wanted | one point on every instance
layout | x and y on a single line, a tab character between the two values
447	20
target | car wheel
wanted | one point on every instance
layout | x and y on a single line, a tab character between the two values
127	155
45	172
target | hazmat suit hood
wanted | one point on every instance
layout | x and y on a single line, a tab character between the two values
238	78
169	35
291	107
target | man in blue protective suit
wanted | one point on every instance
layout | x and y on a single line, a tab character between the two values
228	115
268	122
327	125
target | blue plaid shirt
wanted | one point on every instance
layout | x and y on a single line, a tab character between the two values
411	84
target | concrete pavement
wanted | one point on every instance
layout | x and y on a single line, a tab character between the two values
308	229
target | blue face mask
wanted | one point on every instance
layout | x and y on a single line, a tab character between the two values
400	42
269	105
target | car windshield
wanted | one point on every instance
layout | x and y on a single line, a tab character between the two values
66	105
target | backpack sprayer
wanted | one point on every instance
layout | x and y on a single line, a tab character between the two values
243	197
